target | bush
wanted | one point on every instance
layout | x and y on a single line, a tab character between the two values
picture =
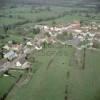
96	44
36	30
30	58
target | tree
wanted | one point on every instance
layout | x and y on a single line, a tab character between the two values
10	16
30	58
65	33
70	36
54	23
48	8
2	36
32	8
96	44
98	8
5	29
1	52
47	34
36	30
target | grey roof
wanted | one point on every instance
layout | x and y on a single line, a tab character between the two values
22	60
10	55
74	42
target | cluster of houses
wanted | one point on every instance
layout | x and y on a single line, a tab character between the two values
86	35
13	57
80	36
11	51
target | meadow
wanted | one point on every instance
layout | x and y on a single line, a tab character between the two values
50	79
6	82
55	78
84	84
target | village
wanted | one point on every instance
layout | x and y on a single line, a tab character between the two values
14	55
74	35
49	49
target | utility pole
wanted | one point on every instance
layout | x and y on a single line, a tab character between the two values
84	58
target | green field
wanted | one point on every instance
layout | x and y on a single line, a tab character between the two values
85	84
50	78
7	81
34	14
5	84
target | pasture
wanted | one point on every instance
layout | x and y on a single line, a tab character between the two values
54	78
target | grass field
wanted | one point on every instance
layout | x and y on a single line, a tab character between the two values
50	79
33	14
6	82
85	84
9	21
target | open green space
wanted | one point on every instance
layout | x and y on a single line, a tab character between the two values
5	84
7	81
85	84
9	21
49	81
50	77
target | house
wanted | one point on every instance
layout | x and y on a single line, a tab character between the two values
97	37
74	42
38	47
77	31
10	55
29	43
38	26
46	28
26	65
6	47
13	47
22	63
16	47
18	64
26	50
74	25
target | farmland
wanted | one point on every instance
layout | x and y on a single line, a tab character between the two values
86	82
46	82
52	78
7	82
